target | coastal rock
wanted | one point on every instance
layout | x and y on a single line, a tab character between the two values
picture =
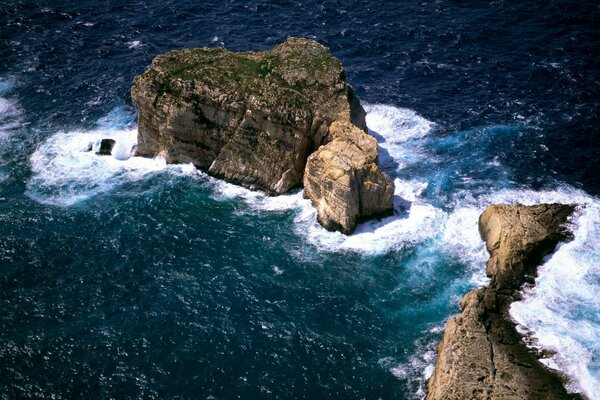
253	118
343	181
481	355
106	146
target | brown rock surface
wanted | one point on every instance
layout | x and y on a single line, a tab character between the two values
253	118
343	181
481	355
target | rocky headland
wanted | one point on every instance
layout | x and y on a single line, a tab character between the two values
269	120
481	355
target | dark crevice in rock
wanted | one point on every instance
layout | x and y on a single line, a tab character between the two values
491	346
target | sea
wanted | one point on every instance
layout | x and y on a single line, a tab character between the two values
127	278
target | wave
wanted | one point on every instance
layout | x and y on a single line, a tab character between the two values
67	171
419	367
11	120
561	313
10	112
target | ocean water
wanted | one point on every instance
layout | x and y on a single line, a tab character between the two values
128	278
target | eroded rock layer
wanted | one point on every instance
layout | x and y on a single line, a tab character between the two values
481	355
343	180
253	118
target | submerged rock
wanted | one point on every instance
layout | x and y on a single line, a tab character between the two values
254	118
106	146
481	355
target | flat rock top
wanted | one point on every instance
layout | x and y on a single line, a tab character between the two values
295	72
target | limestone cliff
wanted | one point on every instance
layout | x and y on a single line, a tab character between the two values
253	118
343	180
481	355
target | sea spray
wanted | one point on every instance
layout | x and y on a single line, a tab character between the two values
561	313
67	170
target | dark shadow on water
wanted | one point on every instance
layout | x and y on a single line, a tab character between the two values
386	161
376	135
401	207
401	211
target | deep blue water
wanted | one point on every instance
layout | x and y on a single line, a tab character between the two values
131	279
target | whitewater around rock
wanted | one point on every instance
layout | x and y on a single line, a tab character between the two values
481	354
254	118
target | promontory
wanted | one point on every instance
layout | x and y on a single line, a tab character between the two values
270	120
481	355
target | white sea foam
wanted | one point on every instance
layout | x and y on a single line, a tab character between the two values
10	111
7	107
9	118
66	171
134	44
396	125
562	311
412	223
257	200
460	239
10	122
419	367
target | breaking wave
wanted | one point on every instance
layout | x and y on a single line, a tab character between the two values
67	170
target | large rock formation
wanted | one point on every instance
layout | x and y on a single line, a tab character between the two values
254	118
481	355
343	180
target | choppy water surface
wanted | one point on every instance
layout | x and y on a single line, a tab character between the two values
127	277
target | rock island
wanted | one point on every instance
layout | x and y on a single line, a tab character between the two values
270	120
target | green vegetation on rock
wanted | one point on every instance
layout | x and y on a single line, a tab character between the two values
254	118
294	74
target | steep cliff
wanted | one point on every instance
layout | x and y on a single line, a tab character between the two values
253	118
343	180
481	355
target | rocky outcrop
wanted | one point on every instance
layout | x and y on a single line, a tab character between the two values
343	180
481	355
254	118
106	146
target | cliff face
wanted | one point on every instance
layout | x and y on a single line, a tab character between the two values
481	355
253	118
343	180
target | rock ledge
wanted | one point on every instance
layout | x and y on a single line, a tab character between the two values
481	355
